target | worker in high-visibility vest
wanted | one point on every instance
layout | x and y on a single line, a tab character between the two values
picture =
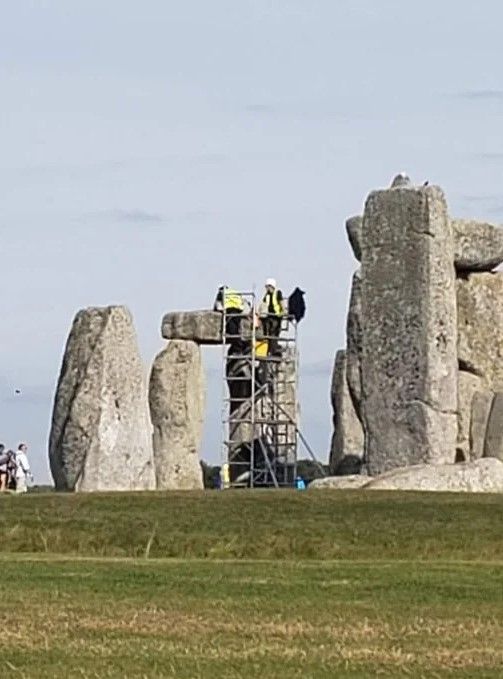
231	303
271	311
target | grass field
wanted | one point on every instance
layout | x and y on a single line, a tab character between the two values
262	584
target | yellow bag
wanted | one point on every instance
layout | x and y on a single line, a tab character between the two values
261	347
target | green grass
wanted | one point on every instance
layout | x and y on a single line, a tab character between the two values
256	525
251	585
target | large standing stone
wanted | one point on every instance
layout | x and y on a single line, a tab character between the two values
493	443
176	396
347	440
477	246
354	343
480	326
481	407
409	366
468	386
479	476
101	433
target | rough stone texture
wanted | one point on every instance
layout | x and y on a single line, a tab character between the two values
203	327
354	344
493	443
480	326
347	439
339	482
468	385
479	476
481	407
176	397
101	433
477	246
409	365
354	231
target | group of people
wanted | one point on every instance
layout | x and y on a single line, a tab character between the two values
14	469
269	313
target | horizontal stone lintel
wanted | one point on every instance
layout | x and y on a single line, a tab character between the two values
202	327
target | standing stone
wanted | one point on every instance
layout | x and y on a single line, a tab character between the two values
176	396
481	407
354	343
101	433
493	443
480	326
347	441
468	386
409	366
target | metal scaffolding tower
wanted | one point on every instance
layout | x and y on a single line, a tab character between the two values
259	405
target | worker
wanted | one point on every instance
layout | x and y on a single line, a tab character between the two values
272	311
231	303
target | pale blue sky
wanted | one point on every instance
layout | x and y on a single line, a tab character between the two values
151	151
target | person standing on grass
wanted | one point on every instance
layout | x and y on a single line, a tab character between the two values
22	469
4	459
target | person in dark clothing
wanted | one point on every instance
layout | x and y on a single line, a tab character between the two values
272	312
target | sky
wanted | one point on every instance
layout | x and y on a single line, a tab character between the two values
150	152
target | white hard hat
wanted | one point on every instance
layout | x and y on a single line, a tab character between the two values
271	282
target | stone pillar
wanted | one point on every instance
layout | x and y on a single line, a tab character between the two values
176	397
100	436
346	454
409	333
354	341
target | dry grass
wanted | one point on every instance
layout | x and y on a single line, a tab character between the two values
186	619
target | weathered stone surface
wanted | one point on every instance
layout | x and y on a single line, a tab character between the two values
203	327
347	439
493	443
409	366
340	482
479	476
176	397
354	344
477	246
480	326
481	407
101	433
354	231
468	385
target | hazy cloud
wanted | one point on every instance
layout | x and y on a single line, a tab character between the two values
135	216
260	108
482	95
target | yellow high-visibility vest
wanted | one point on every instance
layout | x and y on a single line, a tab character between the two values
276	304
232	300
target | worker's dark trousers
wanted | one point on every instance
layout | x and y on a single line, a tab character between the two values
272	328
233	325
